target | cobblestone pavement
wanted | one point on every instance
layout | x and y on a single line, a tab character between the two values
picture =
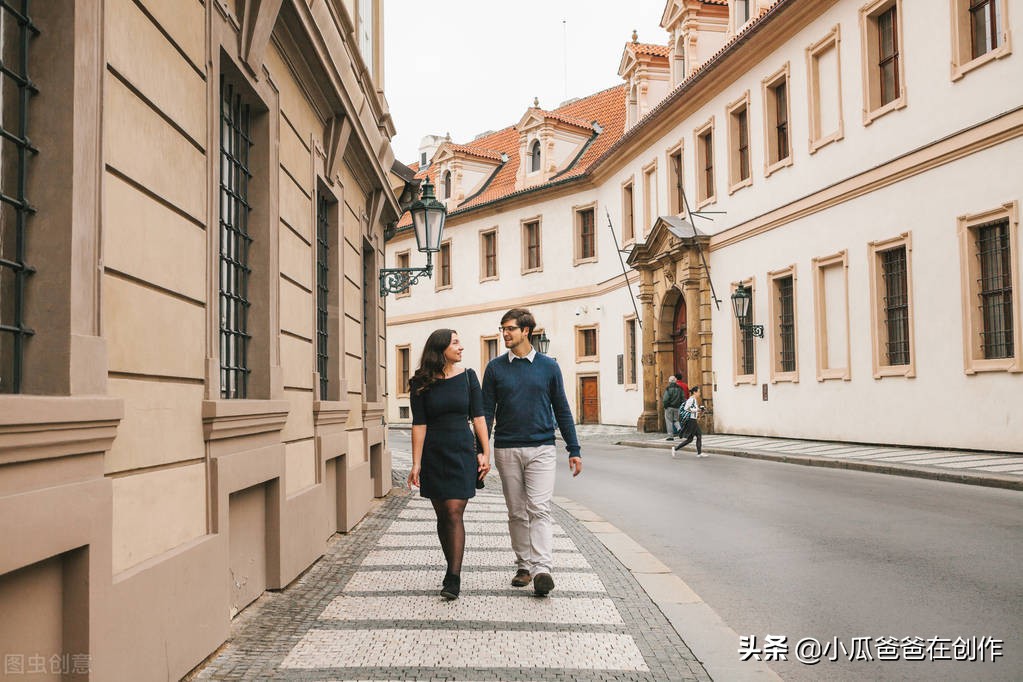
371	610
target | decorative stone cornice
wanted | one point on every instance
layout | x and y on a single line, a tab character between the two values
331	412
223	419
38	427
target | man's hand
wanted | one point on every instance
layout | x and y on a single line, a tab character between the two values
576	465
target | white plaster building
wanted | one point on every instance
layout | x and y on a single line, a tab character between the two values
866	158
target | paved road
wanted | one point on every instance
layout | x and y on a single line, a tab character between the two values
801	551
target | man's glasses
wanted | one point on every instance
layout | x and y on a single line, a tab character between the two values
509	329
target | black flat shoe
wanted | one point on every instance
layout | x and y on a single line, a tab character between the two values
452	586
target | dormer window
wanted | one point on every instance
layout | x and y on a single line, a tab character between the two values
534	157
447	184
741	13
422	160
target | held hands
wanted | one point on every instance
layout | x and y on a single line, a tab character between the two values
576	465
484	464
413	477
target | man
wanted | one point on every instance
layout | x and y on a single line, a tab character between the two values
525	392
671	400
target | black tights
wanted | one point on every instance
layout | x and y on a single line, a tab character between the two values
451	531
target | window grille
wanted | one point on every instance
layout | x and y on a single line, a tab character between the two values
322	294
896	305
746	349
589	342
631	366
782	118
742	120
888	52
588	248
235	144
786	325
16	30
995	289
985	20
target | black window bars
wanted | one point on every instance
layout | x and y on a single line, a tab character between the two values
16	87
235	143
896	305
322	294
995	289
786	326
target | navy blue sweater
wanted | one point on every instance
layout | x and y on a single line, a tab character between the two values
526	398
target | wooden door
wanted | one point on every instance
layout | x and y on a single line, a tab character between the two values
678	337
589	401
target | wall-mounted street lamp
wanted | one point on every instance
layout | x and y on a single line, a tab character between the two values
541	342
741	302
428	221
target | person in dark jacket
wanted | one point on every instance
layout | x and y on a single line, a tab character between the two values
525	392
671	400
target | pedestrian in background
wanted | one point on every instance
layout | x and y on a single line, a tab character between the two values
691	424
445	462
671	401
525	393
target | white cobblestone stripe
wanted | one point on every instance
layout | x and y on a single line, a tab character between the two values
470	527
474	503
470	515
472	541
475	608
979	464
434	557
464	649
472	581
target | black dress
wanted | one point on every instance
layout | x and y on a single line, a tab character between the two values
448	468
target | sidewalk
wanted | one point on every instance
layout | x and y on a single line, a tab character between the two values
993	469
370	608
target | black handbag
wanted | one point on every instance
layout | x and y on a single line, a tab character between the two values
476	439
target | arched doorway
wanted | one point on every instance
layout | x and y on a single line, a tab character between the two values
680	345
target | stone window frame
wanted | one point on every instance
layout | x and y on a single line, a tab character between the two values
821	307
524	224
403	259
483	348
580	345
833	40
483	234
877	331
961	35
972	324
627	320
336	383
442	263
402	366
629	187
675	185
773	160
703	196
535	156
732	111
870	81
737	376
651	196
773	328
577	211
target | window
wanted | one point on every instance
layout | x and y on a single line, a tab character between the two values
323	293
676	198
782	316
532	256
444	266
741	13
403	259
488	254
738	143
651	203
585	235
678	63
824	74
631	351
489	349
979	34
892	307
776	120
705	191
235	242
831	306
534	157
989	263
744	365
370	320
422	160
17	155
883	72
403	412
628	213
402	363
586	344
447	185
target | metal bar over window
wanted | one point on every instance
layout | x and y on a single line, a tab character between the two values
322	294
235	144
896	306
995	289
786	325
16	89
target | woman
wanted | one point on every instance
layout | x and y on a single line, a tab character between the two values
691	426
445	462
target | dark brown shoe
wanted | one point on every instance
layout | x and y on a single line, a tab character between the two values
542	584
521	578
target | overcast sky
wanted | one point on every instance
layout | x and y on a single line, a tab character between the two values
467	66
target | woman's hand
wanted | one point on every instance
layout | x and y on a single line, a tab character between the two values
484	464
413	476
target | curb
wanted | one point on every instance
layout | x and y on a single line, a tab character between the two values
969	478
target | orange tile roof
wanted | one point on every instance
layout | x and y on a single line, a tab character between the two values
476	151
649	48
606	108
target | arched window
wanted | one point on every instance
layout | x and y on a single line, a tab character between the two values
534	157
633	106
447	184
680	60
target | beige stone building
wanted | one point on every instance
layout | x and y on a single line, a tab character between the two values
191	360
857	164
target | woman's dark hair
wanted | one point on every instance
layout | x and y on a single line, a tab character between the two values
432	361
694	389
522	317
